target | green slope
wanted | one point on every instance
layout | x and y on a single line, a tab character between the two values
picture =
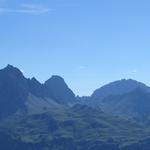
78	128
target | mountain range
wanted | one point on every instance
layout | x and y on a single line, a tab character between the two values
49	116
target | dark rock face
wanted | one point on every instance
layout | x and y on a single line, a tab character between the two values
38	89
59	90
13	90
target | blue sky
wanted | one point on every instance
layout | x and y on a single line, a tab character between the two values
88	42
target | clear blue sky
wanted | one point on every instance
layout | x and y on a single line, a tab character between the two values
88	42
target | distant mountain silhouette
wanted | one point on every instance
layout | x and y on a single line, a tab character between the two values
60	90
13	90
117	88
16	90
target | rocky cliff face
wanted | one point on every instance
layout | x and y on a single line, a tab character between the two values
59	90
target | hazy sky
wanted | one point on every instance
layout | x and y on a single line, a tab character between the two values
88	42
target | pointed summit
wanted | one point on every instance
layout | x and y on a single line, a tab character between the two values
10	66
9	69
60	90
36	88
56	81
14	90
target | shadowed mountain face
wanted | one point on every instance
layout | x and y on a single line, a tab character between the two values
38	89
135	104
59	90
127	98
15	90
35	116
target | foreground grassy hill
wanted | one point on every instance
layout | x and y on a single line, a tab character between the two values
77	128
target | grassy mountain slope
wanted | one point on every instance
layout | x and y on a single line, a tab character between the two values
78	128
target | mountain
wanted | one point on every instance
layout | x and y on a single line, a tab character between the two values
60	90
38	89
117	88
13	90
18	93
125	98
135	104
36	116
